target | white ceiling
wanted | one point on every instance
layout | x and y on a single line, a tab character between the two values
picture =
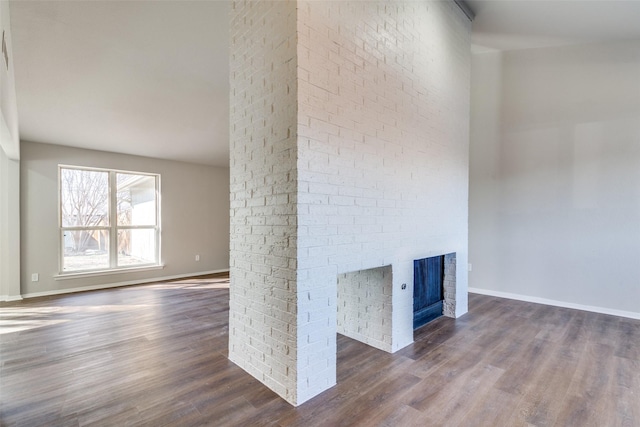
137	77
520	24
151	77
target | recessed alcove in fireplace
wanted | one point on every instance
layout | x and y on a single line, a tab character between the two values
364	306
434	287
368	301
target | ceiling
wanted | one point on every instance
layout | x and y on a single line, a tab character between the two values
137	77
151	77
520	24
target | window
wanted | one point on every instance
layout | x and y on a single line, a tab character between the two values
109	219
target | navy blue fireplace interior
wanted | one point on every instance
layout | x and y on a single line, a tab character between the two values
428	289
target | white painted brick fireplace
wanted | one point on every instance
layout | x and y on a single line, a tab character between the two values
349	159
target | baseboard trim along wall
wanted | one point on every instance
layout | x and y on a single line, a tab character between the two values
121	284
7	298
526	298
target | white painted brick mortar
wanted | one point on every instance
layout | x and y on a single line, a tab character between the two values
263	313
383	118
349	151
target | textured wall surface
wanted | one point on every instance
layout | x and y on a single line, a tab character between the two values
383	142
449	285
364	306
263	312
349	152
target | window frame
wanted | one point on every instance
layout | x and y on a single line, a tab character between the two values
112	228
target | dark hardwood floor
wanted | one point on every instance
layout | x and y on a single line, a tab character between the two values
157	355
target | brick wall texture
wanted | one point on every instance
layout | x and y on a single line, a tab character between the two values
383	112
449	285
263	312
364	306
349	152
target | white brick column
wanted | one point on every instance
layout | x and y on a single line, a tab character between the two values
349	152
263	324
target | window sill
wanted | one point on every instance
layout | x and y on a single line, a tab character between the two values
93	273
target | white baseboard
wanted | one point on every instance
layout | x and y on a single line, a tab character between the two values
7	298
120	284
526	298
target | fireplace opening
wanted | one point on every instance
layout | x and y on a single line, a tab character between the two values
428	289
364	306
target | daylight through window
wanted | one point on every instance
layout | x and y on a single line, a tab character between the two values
108	219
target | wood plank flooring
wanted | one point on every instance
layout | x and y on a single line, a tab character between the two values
156	355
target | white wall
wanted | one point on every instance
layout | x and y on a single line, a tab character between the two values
9	138
9	169
383	145
555	176
9	228
194	210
